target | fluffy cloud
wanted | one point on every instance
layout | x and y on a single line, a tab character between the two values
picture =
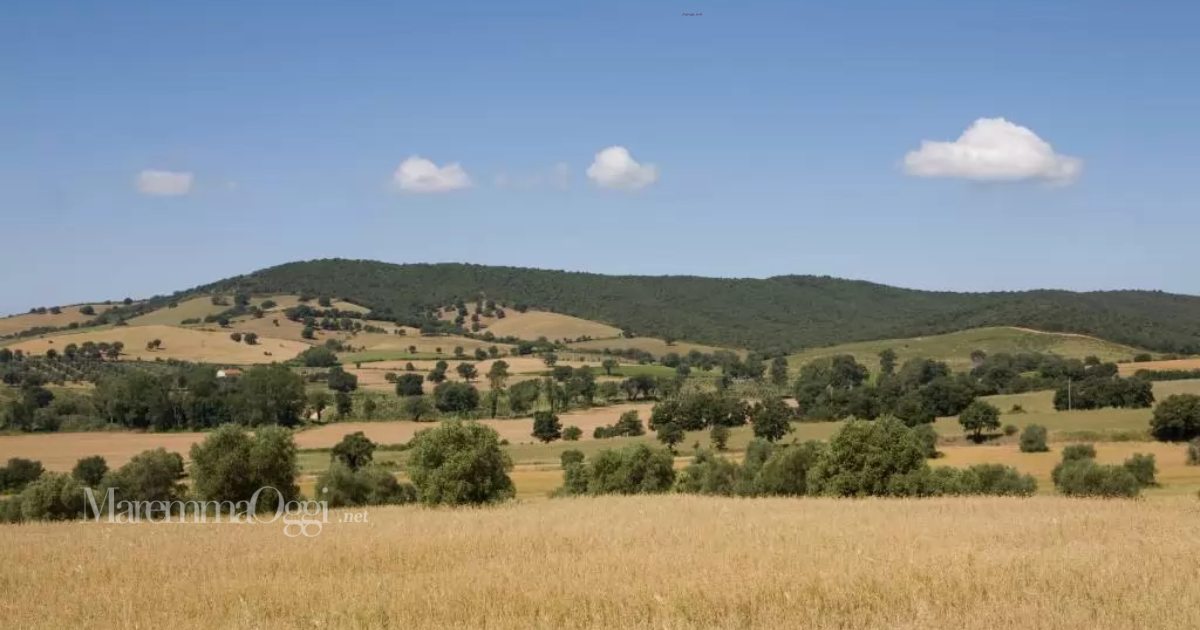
993	149
164	183
416	174
614	167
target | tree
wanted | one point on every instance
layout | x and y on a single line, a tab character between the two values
498	374
340	380
864	457
550	359
308	333
669	433
416	408
467	371
355	450
236	337
343	403
89	471
410	385
87	309
232	464
318	356
1033	439
719	436
451	397
572	433
369	408
152	475
771	419
438	374
637	469
978	417
318	401
18	473
546	426
887	362
609	365
52	497
460	463
779	371
1176	418
269	395
340	486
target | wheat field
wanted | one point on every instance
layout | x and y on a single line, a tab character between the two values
630	562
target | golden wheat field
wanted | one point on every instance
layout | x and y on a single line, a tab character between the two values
629	562
70	314
185	344
534	324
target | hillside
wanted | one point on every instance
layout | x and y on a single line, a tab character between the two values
787	313
955	348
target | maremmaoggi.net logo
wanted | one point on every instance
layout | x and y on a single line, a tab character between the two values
299	518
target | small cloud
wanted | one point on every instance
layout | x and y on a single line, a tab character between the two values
416	174
557	177
614	167
164	183
993	149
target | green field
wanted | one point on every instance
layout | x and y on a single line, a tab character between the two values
955	348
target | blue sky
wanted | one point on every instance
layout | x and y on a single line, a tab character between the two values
777	135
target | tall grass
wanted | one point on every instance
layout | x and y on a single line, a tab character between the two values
630	562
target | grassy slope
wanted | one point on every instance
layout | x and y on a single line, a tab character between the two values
955	348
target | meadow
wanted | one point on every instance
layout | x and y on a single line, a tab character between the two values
631	562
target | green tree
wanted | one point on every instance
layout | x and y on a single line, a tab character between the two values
343	403
1176	418
89	471
318	401
355	450
232	464
467	371
409	385
451	397
779	371
719	436
269	395
978	417
864	457
609	365
416	408
340	380
771	419
572	433
460	463
669	433
152	475
546	426
1033	439
887	362
498	374
52	497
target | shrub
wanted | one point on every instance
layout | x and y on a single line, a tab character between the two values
785	472
52	497
928	438
572	433
1086	478
719	436
1010	430
1177	418
18	473
150	476
1078	451
708	474
410	385
1033	439
864	455
355	450
231	465
1143	468
980	479
628	424
455	397
342	486
318	356
1193	452
460	463
571	456
637	469
89	471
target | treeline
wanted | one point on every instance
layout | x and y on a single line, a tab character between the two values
785	313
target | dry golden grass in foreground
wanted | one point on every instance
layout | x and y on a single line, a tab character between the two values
662	562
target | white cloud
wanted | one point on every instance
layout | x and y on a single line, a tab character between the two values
993	149
557	177
614	167
416	174
164	183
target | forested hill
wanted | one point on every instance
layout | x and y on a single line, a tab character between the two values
780	313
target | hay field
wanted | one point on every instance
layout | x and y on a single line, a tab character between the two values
193	308
630	562
69	315
553	326
60	451
656	347
1129	369
955	348
516	431
187	344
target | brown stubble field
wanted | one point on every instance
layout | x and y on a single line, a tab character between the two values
630	562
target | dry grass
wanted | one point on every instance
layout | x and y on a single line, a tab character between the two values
552	326
656	347
629	562
194	308
68	316
186	344
1129	369
60	451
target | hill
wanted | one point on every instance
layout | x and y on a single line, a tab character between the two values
787	313
955	348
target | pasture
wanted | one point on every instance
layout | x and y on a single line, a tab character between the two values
70	315
955	348
656	347
669	561
186	344
553	326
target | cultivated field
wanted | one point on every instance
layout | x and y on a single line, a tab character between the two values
955	348
553	326
1129	369
656	347
194	308
177	343
69	315
630	562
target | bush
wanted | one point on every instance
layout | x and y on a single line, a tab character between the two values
572	433
1010	430
355	450
1193	452
410	385
546	426
1143	468
628	424
708	474
52	497
864	455
318	356
719	436
342	486
980	479
1033	439
18	473
571	456
460	463
231	465
1078	451
928	438
786	471
152	475
89	471
1177	418
636	469
1086	478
